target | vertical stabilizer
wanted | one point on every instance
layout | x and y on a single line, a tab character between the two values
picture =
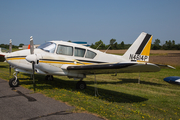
140	49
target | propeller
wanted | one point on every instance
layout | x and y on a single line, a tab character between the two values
33	59
10	46
10	50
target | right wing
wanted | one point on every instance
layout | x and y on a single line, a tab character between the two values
128	67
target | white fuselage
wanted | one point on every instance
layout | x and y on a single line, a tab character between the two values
52	63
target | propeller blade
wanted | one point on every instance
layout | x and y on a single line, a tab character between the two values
10	46
9	70
31	45
32	60
10	50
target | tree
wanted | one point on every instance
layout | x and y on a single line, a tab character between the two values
112	41
20	45
169	45
156	45
122	45
98	45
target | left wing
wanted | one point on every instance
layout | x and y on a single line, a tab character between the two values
2	56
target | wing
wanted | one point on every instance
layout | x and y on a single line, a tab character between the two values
114	68
2	56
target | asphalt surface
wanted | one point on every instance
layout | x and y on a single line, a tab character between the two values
22	104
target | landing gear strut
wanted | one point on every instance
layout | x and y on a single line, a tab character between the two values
49	78
14	82
81	85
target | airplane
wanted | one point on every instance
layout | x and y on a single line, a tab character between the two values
76	61
173	79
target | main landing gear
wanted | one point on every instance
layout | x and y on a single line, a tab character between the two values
81	85
14	82
49	78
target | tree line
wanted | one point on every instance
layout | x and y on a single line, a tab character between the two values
6	46
113	45
156	45
168	45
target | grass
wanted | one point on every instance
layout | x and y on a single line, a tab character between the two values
121	96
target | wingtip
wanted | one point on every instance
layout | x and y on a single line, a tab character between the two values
171	67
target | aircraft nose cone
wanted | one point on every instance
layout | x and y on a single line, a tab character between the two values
32	58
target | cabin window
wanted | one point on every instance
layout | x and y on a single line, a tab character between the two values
48	47
65	50
79	52
90	54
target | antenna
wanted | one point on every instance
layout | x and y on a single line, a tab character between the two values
107	48
111	43
98	46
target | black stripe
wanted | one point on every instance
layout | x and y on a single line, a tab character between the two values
16	57
71	61
90	61
104	66
57	60
144	42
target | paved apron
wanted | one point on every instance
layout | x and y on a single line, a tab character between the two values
21	104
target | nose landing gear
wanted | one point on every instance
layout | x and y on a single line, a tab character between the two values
14	82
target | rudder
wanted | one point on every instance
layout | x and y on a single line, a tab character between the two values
139	51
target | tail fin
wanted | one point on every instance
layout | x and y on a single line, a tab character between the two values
140	49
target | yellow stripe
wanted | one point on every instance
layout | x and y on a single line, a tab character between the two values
141	61
80	63
77	62
147	48
15	58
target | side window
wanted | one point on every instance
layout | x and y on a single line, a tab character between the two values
79	52
65	50
90	54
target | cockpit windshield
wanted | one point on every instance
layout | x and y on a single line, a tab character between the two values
48	47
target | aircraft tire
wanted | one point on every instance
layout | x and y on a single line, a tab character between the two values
81	85
12	82
49	78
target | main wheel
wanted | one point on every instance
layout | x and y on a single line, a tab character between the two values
81	85
49	78
13	82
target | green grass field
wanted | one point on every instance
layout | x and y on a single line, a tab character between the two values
121	97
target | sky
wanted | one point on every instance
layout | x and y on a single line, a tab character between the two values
88	20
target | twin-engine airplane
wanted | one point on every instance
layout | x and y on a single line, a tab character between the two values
76	61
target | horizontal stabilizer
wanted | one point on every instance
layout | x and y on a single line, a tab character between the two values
165	66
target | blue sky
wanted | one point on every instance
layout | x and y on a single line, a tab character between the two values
88	20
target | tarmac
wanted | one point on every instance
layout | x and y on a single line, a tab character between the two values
22	104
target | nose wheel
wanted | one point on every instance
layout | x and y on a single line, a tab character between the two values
13	82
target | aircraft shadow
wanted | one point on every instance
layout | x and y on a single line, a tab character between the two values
3	66
105	94
125	80
56	113
19	93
